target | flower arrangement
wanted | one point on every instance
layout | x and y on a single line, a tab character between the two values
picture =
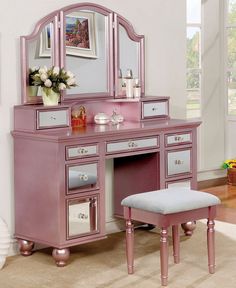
231	163
54	78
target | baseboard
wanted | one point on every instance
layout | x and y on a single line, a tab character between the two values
211	183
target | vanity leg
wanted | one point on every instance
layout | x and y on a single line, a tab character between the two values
25	247
61	256
188	227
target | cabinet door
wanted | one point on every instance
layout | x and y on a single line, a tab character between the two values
82	216
82	177
178	162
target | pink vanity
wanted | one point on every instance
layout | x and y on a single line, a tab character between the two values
60	171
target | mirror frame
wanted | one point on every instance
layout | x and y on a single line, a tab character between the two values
109	48
50	18
118	19
58	51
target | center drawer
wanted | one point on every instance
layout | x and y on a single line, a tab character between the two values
132	144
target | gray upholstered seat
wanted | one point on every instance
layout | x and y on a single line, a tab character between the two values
172	200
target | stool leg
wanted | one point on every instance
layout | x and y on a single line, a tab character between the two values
211	245
175	236
164	256
130	246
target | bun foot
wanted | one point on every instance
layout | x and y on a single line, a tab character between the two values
188	227
25	247
61	256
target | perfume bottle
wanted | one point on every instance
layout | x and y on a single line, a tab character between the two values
129	84
137	88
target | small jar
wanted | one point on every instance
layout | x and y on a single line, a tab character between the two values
101	118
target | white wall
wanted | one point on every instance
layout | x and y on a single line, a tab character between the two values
163	24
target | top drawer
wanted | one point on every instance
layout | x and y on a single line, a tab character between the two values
52	118
79	151
178	138
155	109
132	144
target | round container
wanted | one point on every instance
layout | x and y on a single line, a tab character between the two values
101	118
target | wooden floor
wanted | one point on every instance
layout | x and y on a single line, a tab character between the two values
227	210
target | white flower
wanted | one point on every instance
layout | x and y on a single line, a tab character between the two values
61	86
43	70
35	68
56	70
70	74
44	77
48	83
70	81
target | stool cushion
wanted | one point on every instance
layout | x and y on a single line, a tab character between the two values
172	200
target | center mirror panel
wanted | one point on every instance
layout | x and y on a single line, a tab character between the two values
86	44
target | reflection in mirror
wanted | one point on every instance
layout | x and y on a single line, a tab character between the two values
82	216
39	55
86	53
129	54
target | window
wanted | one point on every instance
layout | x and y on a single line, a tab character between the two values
231	55
194	70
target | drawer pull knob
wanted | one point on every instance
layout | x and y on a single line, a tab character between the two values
179	162
82	151
132	144
83	177
53	118
154	109
179	138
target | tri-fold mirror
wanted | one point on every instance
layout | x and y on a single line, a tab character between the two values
97	45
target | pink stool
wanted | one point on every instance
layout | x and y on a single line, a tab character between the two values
169	207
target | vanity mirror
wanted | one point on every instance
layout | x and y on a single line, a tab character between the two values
91	41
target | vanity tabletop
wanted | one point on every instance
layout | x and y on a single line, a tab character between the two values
99	131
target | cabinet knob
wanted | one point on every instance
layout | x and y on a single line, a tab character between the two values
179	138
132	144
154	109
82	151
83	177
53	118
179	162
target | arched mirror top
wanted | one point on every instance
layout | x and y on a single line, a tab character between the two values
101	61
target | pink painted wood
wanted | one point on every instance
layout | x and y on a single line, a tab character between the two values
164	221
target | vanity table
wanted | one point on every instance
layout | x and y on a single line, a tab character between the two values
60	171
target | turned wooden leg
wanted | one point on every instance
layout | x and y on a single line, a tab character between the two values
61	256
175	236
130	246
164	256
211	245
188	227
25	247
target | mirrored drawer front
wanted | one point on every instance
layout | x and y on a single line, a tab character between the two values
81	151
80	177
82	216
181	183
52	119
175	139
178	162
154	109
132	144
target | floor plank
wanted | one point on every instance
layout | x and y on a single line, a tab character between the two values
227	210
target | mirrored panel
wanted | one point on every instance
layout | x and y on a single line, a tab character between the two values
129	54
39	55
86	52
82	216
82	176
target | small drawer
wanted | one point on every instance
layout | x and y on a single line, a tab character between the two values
53	118
178	162
82	216
155	109
132	144
82	177
81	151
178	138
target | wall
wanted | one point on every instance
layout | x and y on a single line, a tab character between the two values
163	24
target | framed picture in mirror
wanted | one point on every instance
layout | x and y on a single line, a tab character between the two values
45	42
80	34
